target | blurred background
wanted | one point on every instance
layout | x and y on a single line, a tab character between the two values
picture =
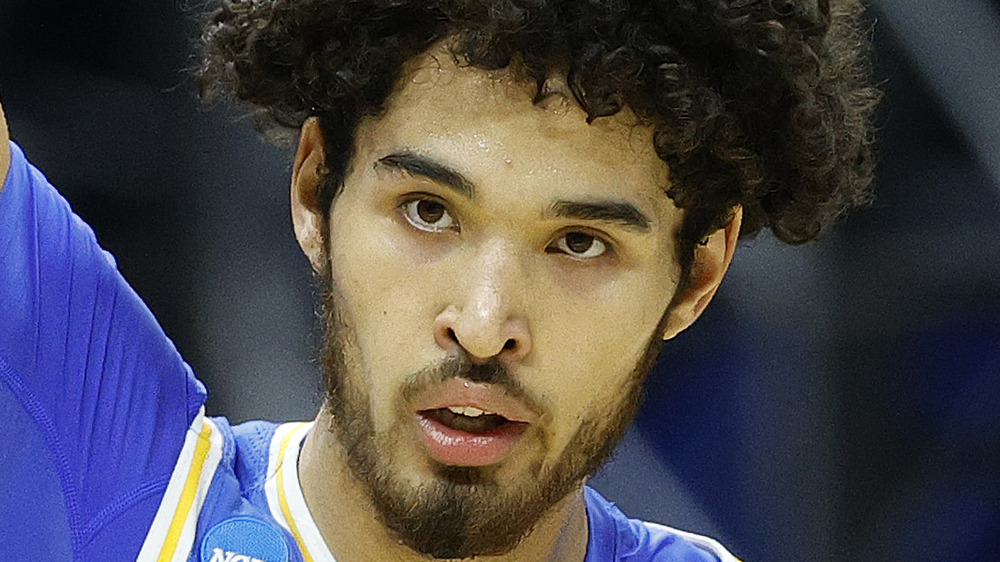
839	401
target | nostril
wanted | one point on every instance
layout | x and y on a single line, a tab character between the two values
509	344
451	335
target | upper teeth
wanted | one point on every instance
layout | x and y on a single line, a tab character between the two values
467	411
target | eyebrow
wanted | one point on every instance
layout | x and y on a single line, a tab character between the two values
417	165
619	213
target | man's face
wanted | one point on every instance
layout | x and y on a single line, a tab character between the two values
498	273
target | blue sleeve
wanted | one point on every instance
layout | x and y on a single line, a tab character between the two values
96	399
613	537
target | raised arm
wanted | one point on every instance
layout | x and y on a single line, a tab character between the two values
4	148
95	401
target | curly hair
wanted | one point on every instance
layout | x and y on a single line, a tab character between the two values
763	104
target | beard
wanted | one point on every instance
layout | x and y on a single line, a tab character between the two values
461	511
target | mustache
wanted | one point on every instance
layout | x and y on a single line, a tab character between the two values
492	372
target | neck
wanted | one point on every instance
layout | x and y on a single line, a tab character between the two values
345	515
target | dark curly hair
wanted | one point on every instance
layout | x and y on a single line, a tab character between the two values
763	104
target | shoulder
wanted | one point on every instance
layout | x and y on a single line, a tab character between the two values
253	442
216	499
614	536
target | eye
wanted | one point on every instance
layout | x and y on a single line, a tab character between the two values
581	245
429	215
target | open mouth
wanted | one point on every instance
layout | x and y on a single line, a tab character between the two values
467	436
467	418
466	423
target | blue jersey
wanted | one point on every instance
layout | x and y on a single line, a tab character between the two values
106	450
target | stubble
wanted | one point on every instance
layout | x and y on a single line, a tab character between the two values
459	512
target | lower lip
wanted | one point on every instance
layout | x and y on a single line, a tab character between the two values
459	448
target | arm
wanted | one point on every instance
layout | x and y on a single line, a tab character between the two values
96	400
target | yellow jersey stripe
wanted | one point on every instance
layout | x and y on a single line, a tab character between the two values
187	496
172	532
283	500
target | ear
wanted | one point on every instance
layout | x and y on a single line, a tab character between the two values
307	216
711	261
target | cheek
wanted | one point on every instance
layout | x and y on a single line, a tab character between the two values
588	348
387	301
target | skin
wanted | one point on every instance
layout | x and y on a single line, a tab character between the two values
499	281
4	148
415	297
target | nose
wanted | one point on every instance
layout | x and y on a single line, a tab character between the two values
486	319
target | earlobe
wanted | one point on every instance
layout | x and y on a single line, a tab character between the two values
307	216
711	261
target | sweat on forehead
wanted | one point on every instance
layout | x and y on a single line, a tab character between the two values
513	81
442	82
756	104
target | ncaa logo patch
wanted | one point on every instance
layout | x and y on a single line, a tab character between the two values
244	539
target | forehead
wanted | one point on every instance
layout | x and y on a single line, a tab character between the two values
491	122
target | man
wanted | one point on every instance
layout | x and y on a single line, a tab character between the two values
509	207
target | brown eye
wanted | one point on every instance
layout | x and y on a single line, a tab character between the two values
428	214
430	211
581	245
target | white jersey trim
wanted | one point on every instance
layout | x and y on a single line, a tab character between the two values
171	536
289	509
284	494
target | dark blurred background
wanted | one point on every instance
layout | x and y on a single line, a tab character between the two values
839	401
